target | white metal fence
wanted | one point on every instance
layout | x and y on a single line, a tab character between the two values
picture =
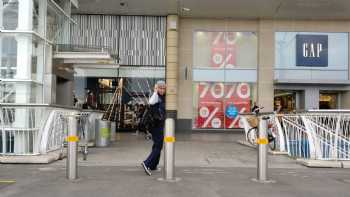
311	135
39	129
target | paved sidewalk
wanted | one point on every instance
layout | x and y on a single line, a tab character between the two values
215	166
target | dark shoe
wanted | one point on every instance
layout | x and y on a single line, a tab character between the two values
147	170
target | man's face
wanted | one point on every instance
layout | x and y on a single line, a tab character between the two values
161	90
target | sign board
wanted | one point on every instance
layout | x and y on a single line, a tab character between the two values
312	50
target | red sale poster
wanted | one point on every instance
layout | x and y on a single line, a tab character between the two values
223	50
211	91
237	101
210	115
219	104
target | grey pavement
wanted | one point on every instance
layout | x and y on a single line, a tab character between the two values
208	165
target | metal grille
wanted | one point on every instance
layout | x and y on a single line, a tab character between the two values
139	40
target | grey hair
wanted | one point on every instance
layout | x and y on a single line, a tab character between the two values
161	83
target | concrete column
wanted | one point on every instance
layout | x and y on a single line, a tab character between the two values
266	61
312	98
24	72
345	100
172	65
25	15
49	77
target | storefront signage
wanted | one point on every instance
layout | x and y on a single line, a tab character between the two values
312	50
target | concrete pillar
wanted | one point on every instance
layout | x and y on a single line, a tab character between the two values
24	72
345	100
312	98
172	65
25	15
266	61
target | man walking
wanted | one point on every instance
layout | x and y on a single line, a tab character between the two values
157	111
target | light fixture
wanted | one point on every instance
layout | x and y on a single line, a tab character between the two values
186	9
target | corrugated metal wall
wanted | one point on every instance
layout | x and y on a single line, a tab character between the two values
141	38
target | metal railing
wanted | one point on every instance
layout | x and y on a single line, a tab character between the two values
310	135
322	136
33	129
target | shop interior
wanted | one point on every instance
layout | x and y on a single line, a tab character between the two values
122	99
285	101
328	100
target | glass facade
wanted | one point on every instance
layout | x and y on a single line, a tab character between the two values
225	50
224	78
25	39
311	56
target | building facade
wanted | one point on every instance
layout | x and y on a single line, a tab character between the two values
215	68
226	65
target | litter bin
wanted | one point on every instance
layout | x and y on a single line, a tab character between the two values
102	132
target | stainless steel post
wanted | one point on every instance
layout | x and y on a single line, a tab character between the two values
262	142
262	150
72	140
169	151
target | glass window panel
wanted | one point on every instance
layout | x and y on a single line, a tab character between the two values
20	92
9	14
20	53
57	26
285	50
220	50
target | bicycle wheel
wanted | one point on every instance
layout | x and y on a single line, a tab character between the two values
272	142
252	135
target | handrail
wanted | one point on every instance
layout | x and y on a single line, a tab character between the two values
260	113
48	105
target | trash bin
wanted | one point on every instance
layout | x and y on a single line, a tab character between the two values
102	132
113	131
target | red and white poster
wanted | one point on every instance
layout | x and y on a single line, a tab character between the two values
219	104
237	101
223	50
210	115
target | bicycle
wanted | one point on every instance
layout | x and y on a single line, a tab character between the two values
252	134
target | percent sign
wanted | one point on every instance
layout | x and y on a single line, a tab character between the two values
224	46
211	118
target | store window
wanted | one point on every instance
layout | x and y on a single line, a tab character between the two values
225	50
328	100
224	74
311	56
224	78
286	101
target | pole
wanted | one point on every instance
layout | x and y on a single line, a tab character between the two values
72	140
169	152
262	142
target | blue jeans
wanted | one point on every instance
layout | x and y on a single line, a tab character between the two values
152	160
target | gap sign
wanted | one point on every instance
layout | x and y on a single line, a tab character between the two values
312	50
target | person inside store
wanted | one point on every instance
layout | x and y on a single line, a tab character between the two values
157	112
255	108
91	100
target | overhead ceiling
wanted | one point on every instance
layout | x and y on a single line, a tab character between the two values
247	9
